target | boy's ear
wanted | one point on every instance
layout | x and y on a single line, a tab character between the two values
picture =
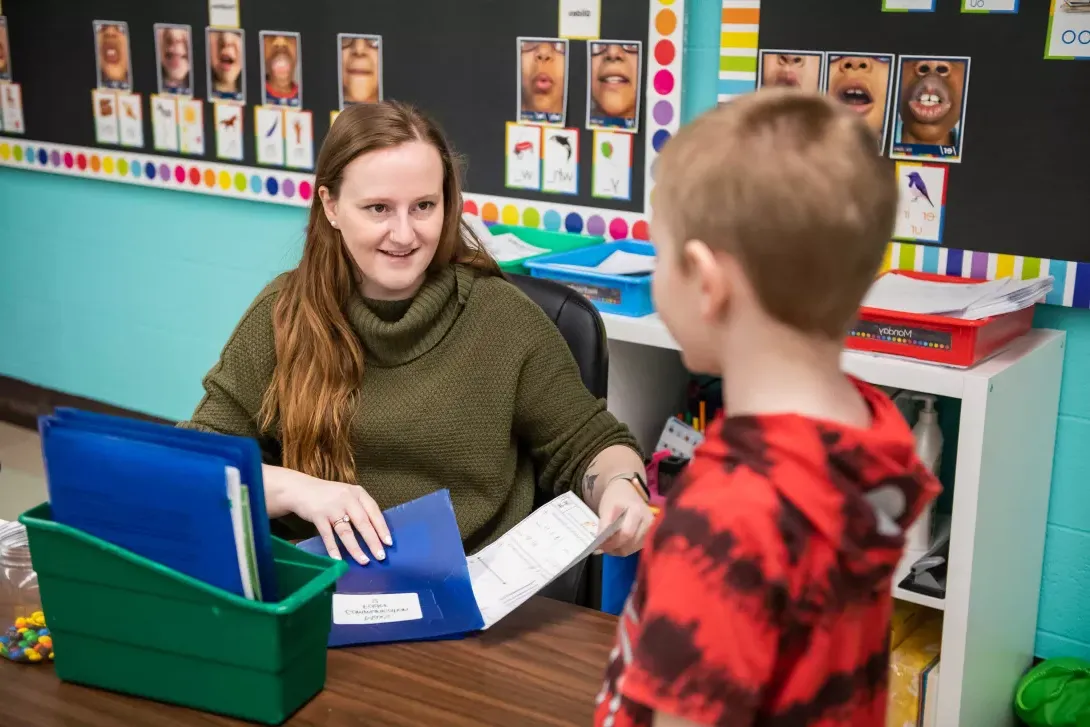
707	272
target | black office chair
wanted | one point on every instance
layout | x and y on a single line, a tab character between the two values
583	330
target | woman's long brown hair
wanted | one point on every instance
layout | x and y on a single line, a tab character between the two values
315	386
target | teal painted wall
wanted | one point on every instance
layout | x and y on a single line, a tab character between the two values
126	294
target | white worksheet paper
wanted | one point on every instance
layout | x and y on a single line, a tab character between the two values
533	554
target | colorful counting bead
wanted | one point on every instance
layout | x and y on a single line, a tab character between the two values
33	655
20	623
46	640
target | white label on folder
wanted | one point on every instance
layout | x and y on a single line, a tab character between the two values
383	608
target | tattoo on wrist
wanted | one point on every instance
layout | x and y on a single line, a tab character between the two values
589	480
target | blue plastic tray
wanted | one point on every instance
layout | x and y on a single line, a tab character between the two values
626	295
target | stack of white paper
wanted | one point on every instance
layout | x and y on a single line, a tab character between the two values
503	248
533	554
968	301
618	263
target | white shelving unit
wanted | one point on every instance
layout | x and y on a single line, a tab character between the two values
1005	445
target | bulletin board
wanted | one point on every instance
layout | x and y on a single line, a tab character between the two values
1015	202
461	66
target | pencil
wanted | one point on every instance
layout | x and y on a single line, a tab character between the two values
703	417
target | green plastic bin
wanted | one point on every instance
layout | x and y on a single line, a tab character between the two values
547	240
125	623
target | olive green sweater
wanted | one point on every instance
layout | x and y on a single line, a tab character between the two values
468	386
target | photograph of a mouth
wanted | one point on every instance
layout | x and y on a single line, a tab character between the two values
360	69
856	95
543	83
111	51
612	79
227	58
929	102
280	64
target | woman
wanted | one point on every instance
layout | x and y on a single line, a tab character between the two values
396	361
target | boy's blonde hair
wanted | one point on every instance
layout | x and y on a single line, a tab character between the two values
793	186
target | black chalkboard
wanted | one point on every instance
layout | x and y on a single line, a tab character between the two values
1023	186
456	59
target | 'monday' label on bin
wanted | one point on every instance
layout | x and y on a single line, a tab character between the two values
353	609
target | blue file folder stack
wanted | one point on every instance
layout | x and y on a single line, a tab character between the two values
189	500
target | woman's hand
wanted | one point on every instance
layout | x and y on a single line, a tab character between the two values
620	496
339	511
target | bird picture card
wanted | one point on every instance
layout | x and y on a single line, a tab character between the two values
801	69
523	152
864	83
560	161
931	98
908	6
130	119
1068	31
611	173
299	132
989	6
164	122
229	119
269	131
11	107
191	126
921	202
104	109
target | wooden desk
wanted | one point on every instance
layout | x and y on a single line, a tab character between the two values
542	665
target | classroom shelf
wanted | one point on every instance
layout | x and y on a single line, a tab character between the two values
1006	436
903	568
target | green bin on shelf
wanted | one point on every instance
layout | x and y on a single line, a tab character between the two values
547	240
125	623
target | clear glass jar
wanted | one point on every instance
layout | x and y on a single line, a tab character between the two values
23	633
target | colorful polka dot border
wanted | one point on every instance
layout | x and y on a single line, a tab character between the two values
155	171
612	225
291	188
664	92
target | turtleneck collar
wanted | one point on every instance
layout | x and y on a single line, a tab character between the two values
396	332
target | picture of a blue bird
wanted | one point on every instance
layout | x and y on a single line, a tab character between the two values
919	189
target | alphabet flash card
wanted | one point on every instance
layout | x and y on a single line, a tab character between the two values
191	126
229	120
299	131
104	108
523	156
164	122
611	177
1068	31
921	205
561	161
130	118
269	130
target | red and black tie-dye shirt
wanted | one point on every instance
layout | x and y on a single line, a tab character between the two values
763	595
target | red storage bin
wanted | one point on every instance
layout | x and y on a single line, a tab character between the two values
937	339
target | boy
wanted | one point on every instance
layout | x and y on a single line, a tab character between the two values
763	596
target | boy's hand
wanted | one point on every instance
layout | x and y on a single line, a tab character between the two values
621	495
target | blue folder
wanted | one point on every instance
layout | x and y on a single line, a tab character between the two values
157	491
240	452
426	560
